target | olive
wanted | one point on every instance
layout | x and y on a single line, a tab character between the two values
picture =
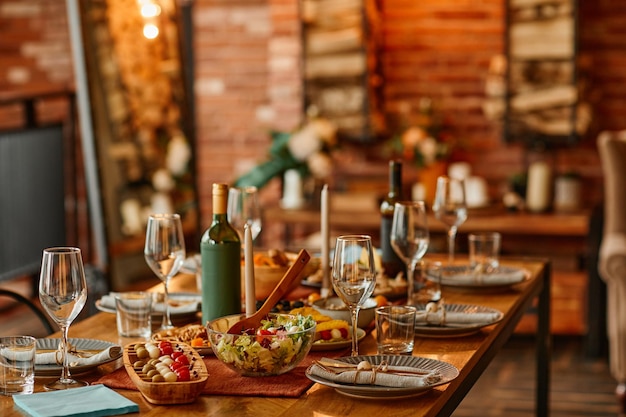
138	364
158	378
142	353
152	372
298	304
147	368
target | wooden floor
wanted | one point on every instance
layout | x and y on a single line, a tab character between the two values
580	386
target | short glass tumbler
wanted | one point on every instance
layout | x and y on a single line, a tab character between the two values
395	329
426	283
484	252
134	314
17	365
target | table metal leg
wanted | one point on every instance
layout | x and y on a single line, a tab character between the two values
544	346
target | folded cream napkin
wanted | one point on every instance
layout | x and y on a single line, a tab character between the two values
93	401
78	358
183	307
450	318
469	277
381	375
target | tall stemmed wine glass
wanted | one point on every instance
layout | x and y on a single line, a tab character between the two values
354	275
409	236
450	207
63	293
243	208
165	252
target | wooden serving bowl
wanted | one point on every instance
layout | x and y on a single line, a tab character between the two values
183	392
266	278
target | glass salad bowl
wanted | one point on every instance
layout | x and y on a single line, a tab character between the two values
277	346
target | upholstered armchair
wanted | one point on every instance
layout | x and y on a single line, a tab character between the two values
612	257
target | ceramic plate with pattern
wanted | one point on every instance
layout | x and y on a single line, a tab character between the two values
458	329
82	345
447	372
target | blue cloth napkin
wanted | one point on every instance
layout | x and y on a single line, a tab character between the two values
92	401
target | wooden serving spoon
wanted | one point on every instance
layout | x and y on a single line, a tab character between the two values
253	321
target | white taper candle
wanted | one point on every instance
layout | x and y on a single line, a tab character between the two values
324	227
249	271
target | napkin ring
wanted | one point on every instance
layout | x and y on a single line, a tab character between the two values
58	354
58	357
382	367
438	308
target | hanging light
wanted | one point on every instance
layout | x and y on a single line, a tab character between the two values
150	30
149	11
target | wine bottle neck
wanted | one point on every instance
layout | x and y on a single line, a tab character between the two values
220	200
220	218
395	179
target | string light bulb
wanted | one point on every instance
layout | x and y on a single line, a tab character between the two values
150	10
150	31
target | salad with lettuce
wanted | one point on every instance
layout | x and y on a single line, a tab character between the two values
276	347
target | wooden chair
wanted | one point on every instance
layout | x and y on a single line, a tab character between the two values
32	306
612	257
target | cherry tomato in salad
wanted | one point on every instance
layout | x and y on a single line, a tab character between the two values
261	333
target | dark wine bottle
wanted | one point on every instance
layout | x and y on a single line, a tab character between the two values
220	248
391	262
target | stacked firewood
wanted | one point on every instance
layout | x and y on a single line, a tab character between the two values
542	67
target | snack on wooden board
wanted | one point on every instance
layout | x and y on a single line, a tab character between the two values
272	258
192	334
332	331
390	287
189	381
310	311
327	329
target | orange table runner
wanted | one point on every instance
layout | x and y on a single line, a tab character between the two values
224	381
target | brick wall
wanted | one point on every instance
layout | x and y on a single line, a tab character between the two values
35	54
247	82
435	48
247	76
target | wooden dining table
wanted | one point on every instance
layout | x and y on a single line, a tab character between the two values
470	354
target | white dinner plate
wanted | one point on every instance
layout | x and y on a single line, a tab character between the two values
88	345
180	298
313	284
447	371
456	330
463	277
342	344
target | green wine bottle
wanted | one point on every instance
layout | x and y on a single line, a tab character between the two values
220	248
391	262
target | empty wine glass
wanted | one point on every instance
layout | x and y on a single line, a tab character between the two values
243	208
63	293
409	236
354	275
450	207
165	252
